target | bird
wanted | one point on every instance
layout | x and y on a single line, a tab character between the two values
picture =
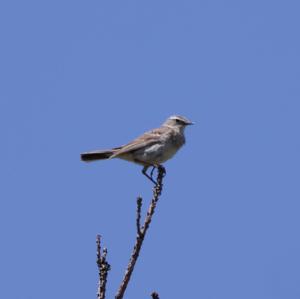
151	149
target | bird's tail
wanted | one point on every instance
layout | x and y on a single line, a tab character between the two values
96	155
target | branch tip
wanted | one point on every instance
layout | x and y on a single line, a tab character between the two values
103	268
139	202
155	295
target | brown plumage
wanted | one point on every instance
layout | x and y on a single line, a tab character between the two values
150	149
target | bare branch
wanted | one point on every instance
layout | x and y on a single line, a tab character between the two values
138	215
103	268
142	231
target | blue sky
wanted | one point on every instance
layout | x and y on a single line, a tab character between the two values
82	75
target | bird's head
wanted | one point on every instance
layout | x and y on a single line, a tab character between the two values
177	122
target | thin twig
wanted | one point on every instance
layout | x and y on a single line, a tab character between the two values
98	261
143	230
103	268
138	215
155	295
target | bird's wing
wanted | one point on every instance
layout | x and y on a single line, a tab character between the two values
147	139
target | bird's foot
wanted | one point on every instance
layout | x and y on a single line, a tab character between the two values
161	171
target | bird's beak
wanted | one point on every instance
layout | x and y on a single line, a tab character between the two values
190	123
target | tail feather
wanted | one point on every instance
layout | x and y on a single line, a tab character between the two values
96	155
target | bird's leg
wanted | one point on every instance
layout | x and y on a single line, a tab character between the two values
152	170
144	172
